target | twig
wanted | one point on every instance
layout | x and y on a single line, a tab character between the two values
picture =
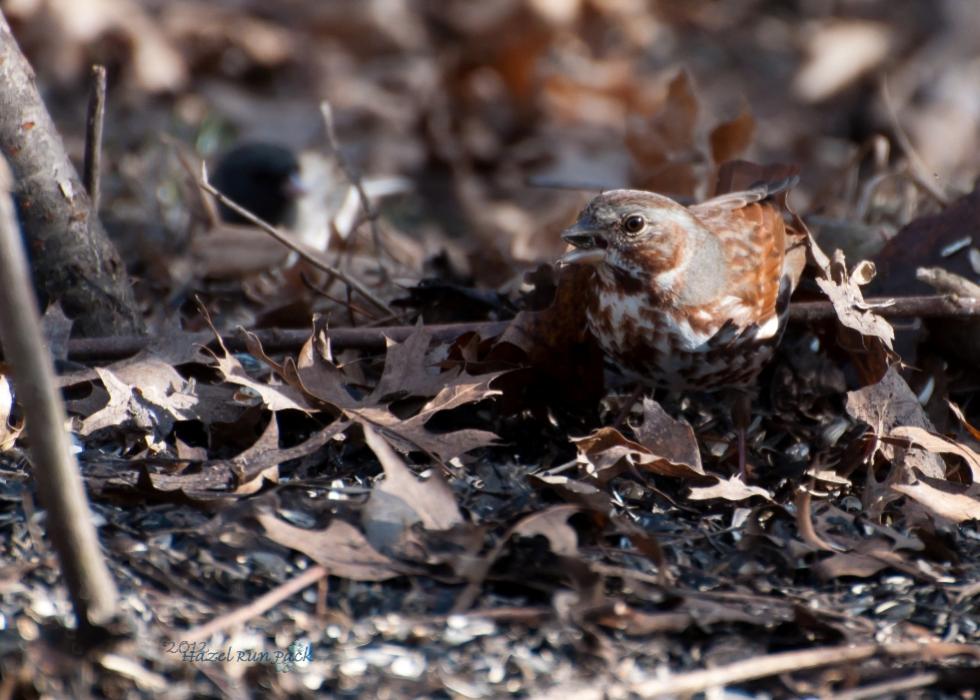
263	603
372	338
920	172
370	213
280	340
947	282
93	137
787	662
893	308
890	688
311	255
56	476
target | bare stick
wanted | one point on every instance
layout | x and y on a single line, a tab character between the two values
281	340
787	662
93	137
893	308
889	688
311	255
373	337
947	282
920	172
369	211
255	608
59	484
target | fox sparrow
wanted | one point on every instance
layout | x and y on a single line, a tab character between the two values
689	298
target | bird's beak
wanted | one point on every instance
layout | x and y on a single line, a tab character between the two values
589	247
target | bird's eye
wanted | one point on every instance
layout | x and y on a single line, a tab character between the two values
634	223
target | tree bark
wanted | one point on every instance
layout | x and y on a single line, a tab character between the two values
73	260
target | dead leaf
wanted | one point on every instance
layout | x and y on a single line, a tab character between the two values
401	500
662	145
668	437
407	372
730	139
574	491
953	502
411	434
275	398
228	251
341	549
884	406
552	524
937	443
839	52
608	451
844	293
731	489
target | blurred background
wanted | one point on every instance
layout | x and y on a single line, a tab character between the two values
484	117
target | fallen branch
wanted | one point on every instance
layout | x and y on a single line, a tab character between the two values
254	609
373	338
281	339
788	662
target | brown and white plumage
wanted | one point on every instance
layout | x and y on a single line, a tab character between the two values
688	297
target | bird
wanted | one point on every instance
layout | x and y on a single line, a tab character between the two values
689	298
262	177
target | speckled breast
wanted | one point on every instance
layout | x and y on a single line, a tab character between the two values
671	349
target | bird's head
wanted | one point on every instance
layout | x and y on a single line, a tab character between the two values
640	234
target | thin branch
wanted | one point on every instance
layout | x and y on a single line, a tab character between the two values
918	168
255	608
890	688
92	175
946	282
56	475
787	662
281	340
372	338
937	306
311	255
370	213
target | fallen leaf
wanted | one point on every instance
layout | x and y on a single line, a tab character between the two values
953	502
884	406
661	143
937	443
839	52
341	549
411	434
608	451
552	524
401	499
730	139
731	489
668	437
